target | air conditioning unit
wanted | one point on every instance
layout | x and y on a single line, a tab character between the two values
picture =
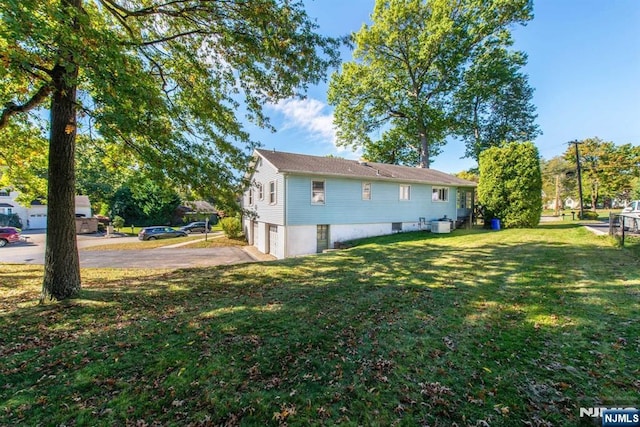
440	226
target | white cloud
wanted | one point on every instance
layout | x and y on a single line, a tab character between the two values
308	115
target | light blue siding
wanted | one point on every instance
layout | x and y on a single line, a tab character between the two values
263	209
344	204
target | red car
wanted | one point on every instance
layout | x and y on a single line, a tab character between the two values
8	235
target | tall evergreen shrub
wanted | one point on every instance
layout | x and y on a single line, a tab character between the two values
510	186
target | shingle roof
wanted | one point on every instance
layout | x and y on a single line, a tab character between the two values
83	202
316	165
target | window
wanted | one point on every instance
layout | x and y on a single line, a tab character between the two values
366	191
317	192
4	193
405	192
396	227
260	191
272	193
440	194
251	197
462	199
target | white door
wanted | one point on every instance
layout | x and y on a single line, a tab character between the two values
273	239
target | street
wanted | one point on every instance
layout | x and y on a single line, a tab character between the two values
32	252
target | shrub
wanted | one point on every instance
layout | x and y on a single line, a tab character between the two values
231	227
510	185
118	222
10	220
590	215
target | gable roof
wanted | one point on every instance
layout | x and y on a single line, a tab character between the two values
315	165
83	202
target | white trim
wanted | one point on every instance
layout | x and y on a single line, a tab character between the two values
405	192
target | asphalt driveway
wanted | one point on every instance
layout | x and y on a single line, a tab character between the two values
32	252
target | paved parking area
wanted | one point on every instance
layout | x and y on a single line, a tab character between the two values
32	252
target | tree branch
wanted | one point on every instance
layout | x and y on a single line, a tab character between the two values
11	108
169	38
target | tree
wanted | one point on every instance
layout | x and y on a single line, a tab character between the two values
23	162
607	169
101	168
408	65
493	105
558	181
396	147
510	186
163	79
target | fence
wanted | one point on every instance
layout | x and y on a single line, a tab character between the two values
619	226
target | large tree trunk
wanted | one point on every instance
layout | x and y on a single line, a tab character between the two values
61	262
424	151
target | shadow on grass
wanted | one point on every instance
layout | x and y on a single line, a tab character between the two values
413	328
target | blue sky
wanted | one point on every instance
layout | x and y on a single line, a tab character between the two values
584	64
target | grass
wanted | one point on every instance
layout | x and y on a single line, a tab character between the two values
152	244
505	328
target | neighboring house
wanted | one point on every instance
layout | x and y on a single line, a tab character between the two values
35	215
299	204
569	203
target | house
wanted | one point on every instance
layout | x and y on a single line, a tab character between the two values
298	204
34	216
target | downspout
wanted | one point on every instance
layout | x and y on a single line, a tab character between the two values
285	250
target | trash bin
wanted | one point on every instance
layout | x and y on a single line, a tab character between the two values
495	224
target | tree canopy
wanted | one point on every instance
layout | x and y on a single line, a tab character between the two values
493	104
608	170
410	63
165	80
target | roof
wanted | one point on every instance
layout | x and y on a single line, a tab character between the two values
83	202
6	205
80	202
315	165
200	206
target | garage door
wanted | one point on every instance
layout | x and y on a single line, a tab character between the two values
37	221
255	234
273	239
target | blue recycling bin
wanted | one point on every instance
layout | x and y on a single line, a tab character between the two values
495	224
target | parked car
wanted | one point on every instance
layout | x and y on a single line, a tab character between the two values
153	233
631	216
8	235
196	227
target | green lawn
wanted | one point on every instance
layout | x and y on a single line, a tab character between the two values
507	328
152	244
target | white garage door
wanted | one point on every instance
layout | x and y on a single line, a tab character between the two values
37	221
273	239
255	234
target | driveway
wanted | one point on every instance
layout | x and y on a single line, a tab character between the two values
32	252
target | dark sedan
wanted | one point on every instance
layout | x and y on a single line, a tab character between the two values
153	233
196	227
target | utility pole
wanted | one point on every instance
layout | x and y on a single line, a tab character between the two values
557	207
575	143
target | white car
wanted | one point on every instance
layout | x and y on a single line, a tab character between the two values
631	216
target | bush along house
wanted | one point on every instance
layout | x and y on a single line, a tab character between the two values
299	204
